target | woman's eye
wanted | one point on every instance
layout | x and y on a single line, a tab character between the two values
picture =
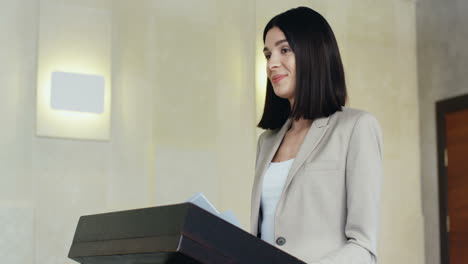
285	50
267	56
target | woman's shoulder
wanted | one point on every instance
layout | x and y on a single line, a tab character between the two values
267	134
351	119
352	115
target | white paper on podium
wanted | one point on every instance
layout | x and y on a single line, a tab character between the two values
200	200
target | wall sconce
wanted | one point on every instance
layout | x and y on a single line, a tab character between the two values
77	92
74	71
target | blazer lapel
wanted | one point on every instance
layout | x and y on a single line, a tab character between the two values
311	141
270	145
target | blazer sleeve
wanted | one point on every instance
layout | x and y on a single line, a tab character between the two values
364	176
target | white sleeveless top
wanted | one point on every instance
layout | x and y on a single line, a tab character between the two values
272	187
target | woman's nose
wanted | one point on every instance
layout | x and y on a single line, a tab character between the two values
273	62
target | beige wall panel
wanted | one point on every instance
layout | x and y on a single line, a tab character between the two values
18	32
130	176
204	103
184	101
236	140
17	71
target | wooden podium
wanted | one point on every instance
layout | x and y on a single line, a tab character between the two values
180	233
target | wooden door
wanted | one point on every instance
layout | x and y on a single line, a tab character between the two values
452	159
456	161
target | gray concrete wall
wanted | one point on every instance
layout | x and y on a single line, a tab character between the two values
442	38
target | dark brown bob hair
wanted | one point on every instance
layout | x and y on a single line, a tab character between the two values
320	81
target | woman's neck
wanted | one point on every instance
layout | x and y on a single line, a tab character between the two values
301	124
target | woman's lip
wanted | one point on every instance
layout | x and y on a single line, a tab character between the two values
277	78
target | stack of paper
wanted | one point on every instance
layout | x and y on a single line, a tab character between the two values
200	200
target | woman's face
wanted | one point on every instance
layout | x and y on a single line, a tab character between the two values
281	64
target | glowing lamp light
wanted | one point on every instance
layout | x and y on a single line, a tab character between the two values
74	71
73	105
77	92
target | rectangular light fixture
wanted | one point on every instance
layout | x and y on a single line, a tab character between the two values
74	71
77	92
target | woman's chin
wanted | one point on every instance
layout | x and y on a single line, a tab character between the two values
283	95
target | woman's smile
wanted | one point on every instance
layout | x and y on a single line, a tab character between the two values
278	77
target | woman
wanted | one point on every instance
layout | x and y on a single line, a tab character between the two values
316	193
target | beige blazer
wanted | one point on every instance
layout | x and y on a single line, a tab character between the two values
330	205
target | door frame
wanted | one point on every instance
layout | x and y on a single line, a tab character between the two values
443	107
